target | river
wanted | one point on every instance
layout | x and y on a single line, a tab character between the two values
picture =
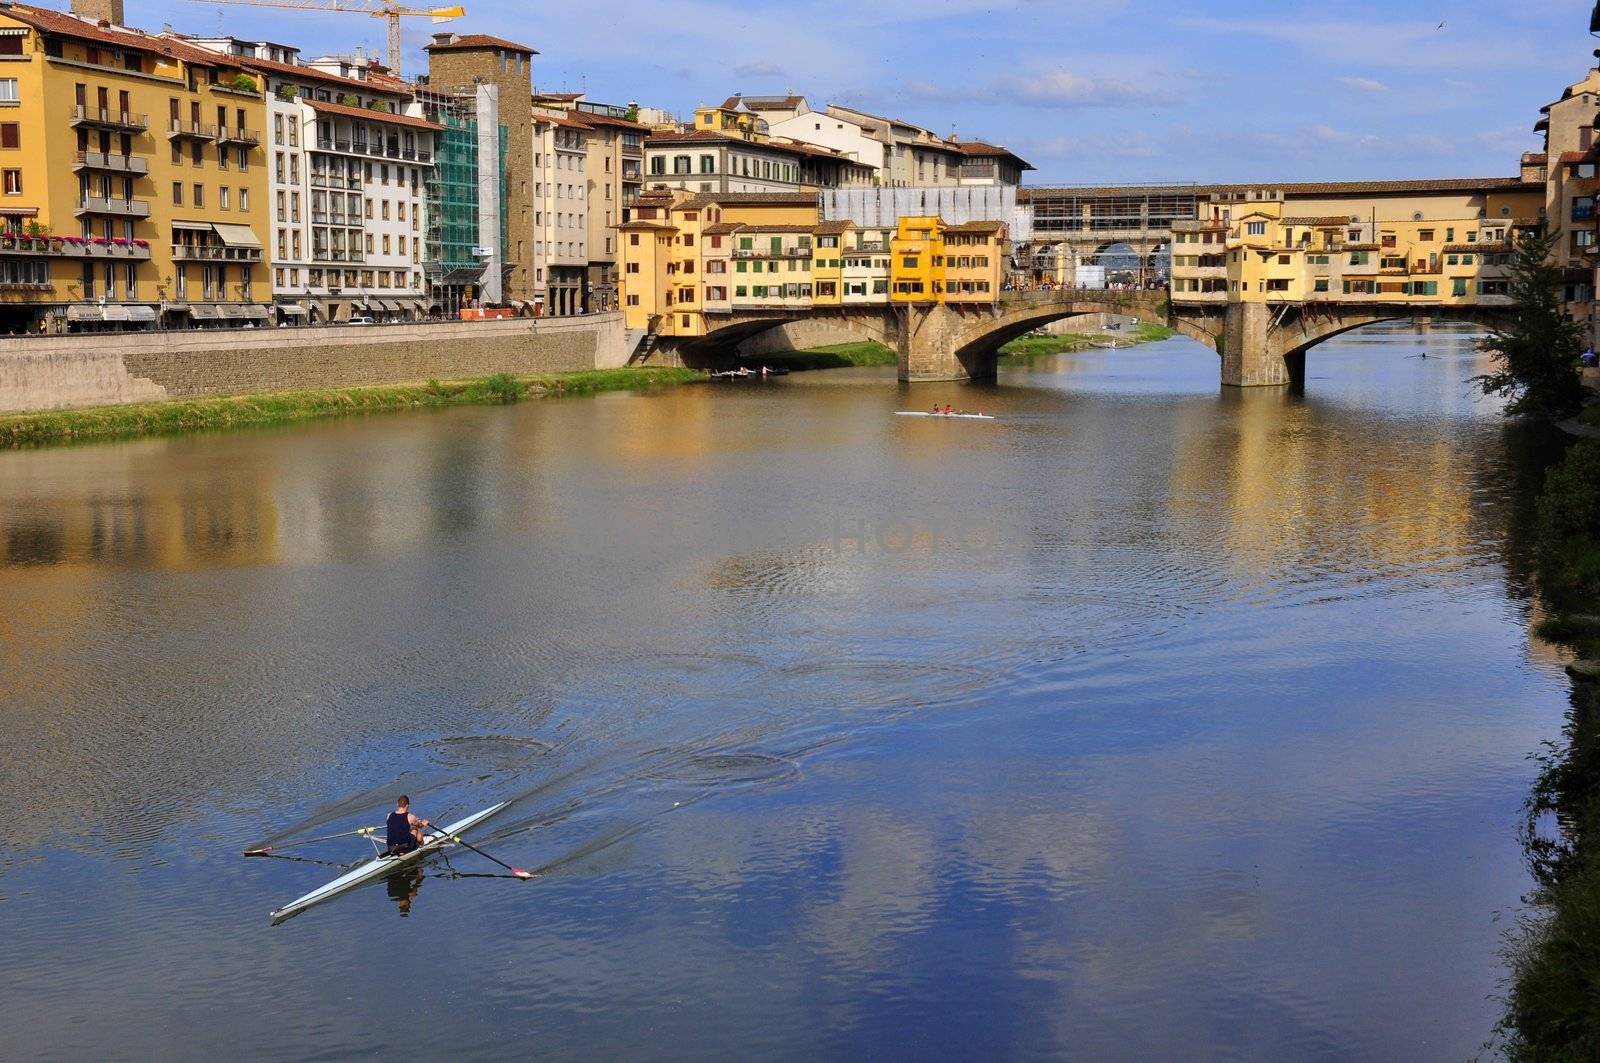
1149	720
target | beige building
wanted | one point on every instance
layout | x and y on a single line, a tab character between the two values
1569	162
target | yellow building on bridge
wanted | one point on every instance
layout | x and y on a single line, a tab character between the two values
1447	250
689	261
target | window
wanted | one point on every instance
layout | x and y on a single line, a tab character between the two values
177	193
1360	258
1458	286
1255	228
708	164
12	182
1320	284
680	164
658	164
8	90
10	132
909	262
222	198
199	195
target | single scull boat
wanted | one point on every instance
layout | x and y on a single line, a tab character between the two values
963	416
383	866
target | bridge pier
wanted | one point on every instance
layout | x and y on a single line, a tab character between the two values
1248	355
931	341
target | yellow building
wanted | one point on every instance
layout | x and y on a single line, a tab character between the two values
1445	249
931	262
131	185
827	263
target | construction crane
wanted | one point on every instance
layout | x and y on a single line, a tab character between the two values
384	9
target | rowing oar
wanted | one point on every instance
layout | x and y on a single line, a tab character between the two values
517	871
265	849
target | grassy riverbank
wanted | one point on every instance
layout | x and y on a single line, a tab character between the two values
204	415
1553	1007
1065	342
833	356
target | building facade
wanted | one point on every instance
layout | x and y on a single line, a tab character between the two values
131	179
464	66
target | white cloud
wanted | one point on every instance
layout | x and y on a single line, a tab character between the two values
1057	89
1363	84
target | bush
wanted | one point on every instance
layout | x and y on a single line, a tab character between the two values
287	92
503	386
244	83
1569	527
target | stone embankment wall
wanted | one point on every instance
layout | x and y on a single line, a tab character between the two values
822	330
108	369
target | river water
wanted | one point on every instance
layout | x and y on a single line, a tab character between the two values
1149	720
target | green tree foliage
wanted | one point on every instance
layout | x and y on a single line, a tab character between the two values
1569	528
244	83
1536	354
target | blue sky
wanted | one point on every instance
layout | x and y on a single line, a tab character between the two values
1112	90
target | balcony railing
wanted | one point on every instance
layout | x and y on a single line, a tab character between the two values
127	208
239	136
743	252
101	160
868	247
198	130
797	252
103	116
72	247
214	253
337	255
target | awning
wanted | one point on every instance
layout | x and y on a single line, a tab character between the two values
237	235
78	312
193	226
519	304
204	312
292	309
316	306
141	313
232	311
11	211
255	312
115	312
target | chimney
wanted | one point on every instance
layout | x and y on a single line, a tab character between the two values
98	10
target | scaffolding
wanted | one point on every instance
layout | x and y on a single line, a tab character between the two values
453	269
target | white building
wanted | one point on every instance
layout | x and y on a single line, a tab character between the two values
348	169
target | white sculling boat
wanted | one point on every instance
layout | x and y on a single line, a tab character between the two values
383	866
962	416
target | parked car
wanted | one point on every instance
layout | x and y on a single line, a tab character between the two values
361	321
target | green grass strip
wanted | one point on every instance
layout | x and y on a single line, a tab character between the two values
205	415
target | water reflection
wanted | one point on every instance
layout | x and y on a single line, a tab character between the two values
1145	717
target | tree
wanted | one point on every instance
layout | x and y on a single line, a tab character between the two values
1536	354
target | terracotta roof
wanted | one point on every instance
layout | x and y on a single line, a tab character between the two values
771	103
370	115
1578	156
1486	248
708	136
62	24
478	40
564	97
982	149
723	228
1360	247
641	224
1332	221
1534	158
607	120
976	227
738	199
730	104
831	228
311	73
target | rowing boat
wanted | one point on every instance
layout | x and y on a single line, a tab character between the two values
383	866
962	416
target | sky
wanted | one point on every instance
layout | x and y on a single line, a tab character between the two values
1106	91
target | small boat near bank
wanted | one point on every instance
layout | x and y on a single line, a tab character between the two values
381	866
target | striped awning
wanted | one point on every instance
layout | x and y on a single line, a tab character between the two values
83	312
141	313
204	312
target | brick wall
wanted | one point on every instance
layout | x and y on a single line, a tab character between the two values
63	372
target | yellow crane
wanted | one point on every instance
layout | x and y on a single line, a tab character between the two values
384	9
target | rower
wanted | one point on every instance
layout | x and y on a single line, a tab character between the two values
947	408
404	830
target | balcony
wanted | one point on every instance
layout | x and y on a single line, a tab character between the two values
73	246
337	255
197	130
238	136
797	252
122	208
743	252
104	118
875	248
111	162
214	253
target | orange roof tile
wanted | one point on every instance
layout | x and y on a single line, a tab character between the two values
478	40
371	115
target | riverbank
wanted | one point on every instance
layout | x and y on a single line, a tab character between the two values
1025	347
1552	1010
206	415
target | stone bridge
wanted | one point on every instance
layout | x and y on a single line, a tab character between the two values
1260	344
